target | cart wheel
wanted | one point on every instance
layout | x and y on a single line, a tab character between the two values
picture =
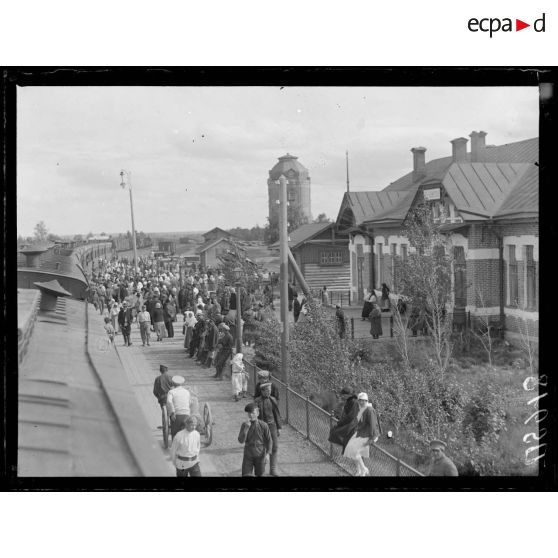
165	422
208	424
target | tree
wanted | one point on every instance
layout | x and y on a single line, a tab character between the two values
40	231
295	217
53	237
425	277
322	218
78	237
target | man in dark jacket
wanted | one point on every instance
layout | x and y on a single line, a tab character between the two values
340	316
442	466
211	339
269	413
256	437
162	385
125	322
224	350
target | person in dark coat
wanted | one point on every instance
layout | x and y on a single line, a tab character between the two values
292	294
442	465
269	413
297	307
369	301
256	437
375	322
211	340
341	325
125	322
385	298
264	378
162	385
169	314
224	351
196	334
342	432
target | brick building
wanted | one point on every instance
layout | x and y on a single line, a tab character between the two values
487	203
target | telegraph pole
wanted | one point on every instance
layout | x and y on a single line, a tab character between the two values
284	271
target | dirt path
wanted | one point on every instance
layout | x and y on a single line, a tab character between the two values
297	456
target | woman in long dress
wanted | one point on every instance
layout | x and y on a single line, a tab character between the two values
367	430
375	322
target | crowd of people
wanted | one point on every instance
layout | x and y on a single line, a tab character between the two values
152	298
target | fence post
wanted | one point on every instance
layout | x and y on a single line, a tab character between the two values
349	296
352	328
398	468
391	326
330	427
287	404
307	417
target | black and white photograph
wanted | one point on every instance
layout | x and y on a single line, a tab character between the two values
279	281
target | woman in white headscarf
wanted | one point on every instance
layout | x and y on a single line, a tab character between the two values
367	430
239	377
189	323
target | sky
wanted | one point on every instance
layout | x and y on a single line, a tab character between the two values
199	157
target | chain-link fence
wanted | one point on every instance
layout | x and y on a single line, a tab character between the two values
315	424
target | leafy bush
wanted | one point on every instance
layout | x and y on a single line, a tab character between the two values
417	401
484	413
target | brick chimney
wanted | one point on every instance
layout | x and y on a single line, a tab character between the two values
459	150
478	145
419	163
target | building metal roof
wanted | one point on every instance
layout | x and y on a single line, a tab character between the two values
398	212
366	205
525	151
504	185
478	189
286	163
37	248
210	243
523	199
306	232
224	233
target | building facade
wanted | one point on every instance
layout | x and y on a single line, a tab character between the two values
486	201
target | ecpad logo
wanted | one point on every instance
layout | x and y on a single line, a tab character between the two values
493	25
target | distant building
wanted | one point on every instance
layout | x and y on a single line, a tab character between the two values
217	242
167	246
298	188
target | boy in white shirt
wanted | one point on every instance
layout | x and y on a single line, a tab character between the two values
185	450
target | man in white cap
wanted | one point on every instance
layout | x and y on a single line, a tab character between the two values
178	404
441	466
